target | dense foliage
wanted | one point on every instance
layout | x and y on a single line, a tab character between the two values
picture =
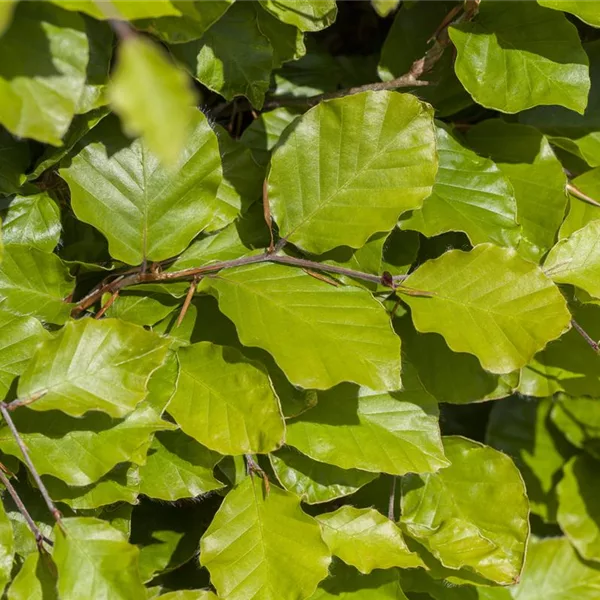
300	301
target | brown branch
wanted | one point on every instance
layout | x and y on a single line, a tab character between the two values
187	301
585	335
36	476
267	214
392	500
108	304
39	536
25	401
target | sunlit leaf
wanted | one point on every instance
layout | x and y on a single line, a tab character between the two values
515	56
36	580
306	15
145	210
503	320
152	96
124	8
249	530
587	11
449	511
579	420
277	308
581	213
357	183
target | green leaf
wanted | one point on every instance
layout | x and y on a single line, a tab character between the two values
567	364
93	365
306	15
34	283
287	40
579	421
578	134
384	7
145	210
195	20
141	309
79	451
346	583
522	429
6	14
448	376
233	58
581	213
32	221
94	560
502	319
576	260
7	549
243	549
125	8
152	96
40	97
178	467
36	580
449	511
19	339
515	56
587	11
313	481
189	595
266	300
470	194
226	402
578	514
524	155
353	427
365	539
15	156
322	197
554	571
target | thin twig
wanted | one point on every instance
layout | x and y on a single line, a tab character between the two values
253	467
25	401
108	304
585	335
577	193
187	301
392	500
267	214
36	476
39	536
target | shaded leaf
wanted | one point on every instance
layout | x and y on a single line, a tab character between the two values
522	429
40	97
36	580
515	56
313	481
19	339
554	571
152	96
266	300
178	467
581	213
287	40
579	421
578	513
139	308
353	427
470	194
34	283
189	595
448	511
233	58
15	158
32	221
120	188
248	530
524	155
502	319
226	402
327	198
94	560
576	260
93	365
306	15
365	539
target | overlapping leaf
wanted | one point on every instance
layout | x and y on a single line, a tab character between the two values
365	539
353	427
586	11
36	580
267	301
153	97
579	421
313	481
515	56
581	213
146	210
306	15
448	511
489	302
93	365
15	156
40	95
277	549
124	8
350	167
470	194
